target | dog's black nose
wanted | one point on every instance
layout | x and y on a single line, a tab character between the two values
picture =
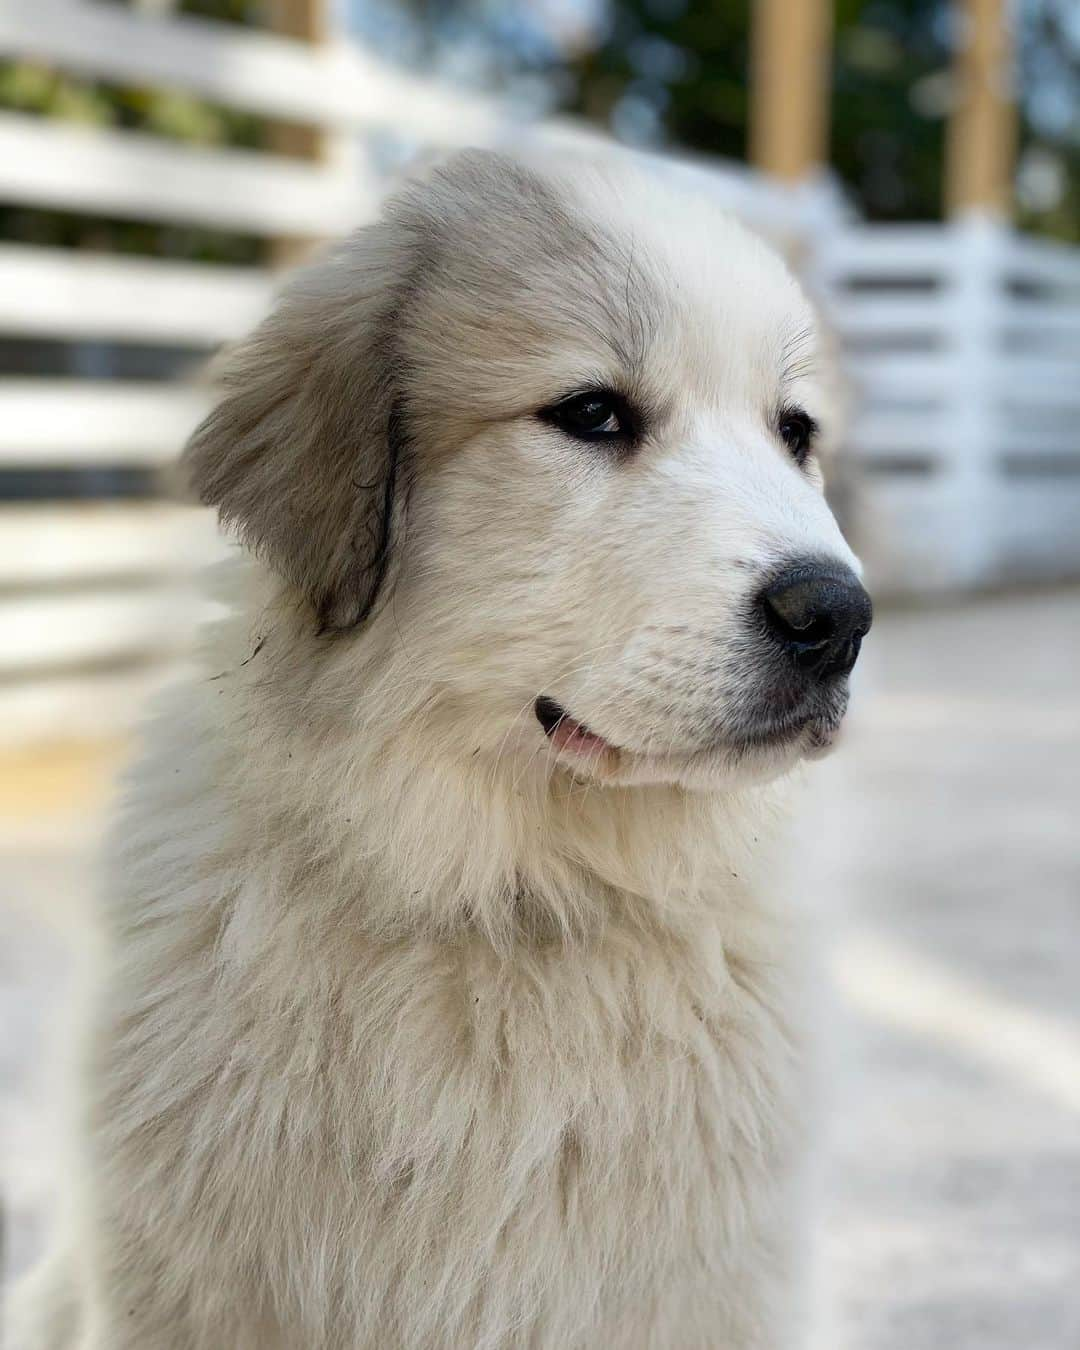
820	614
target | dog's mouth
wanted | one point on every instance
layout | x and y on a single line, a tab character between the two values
566	733
811	735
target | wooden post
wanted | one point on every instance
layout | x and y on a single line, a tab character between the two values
981	138
307	21
789	87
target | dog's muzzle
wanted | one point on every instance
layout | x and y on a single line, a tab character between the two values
807	622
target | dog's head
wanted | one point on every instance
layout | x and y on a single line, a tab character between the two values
550	427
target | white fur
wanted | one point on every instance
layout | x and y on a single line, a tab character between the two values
413	1033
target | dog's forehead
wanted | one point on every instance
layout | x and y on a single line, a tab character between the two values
680	234
725	293
514	256
529	268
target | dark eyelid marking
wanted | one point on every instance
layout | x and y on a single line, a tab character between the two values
798	430
560	413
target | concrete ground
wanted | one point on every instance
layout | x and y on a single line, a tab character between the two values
942	850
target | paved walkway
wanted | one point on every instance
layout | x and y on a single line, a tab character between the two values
951	847
943	853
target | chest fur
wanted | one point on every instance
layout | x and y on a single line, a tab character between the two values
445	1139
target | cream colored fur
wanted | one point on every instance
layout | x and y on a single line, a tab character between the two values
412	1033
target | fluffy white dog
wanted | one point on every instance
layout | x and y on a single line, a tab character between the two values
450	1001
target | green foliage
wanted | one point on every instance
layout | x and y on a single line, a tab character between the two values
228	11
680	67
889	93
690	63
25	87
29	87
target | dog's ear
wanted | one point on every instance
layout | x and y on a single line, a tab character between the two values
302	455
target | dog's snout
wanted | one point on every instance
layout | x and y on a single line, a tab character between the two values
820	614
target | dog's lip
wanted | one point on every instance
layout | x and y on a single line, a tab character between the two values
813	735
765	738
814	732
565	732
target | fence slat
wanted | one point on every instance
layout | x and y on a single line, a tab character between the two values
1041	325
893	253
1042	378
1042	262
87	704
334	84
861	316
122	173
872	436
907	377
51	544
49	631
56	293
80	422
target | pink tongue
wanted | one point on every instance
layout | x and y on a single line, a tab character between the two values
571	735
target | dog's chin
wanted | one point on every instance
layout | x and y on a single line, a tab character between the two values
720	767
730	760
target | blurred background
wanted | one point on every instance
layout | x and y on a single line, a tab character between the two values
161	160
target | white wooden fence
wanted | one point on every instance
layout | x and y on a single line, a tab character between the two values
962	347
95	598
956	342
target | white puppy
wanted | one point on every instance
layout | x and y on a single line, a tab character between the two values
449	999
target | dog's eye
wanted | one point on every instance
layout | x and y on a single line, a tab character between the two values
797	430
596	415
